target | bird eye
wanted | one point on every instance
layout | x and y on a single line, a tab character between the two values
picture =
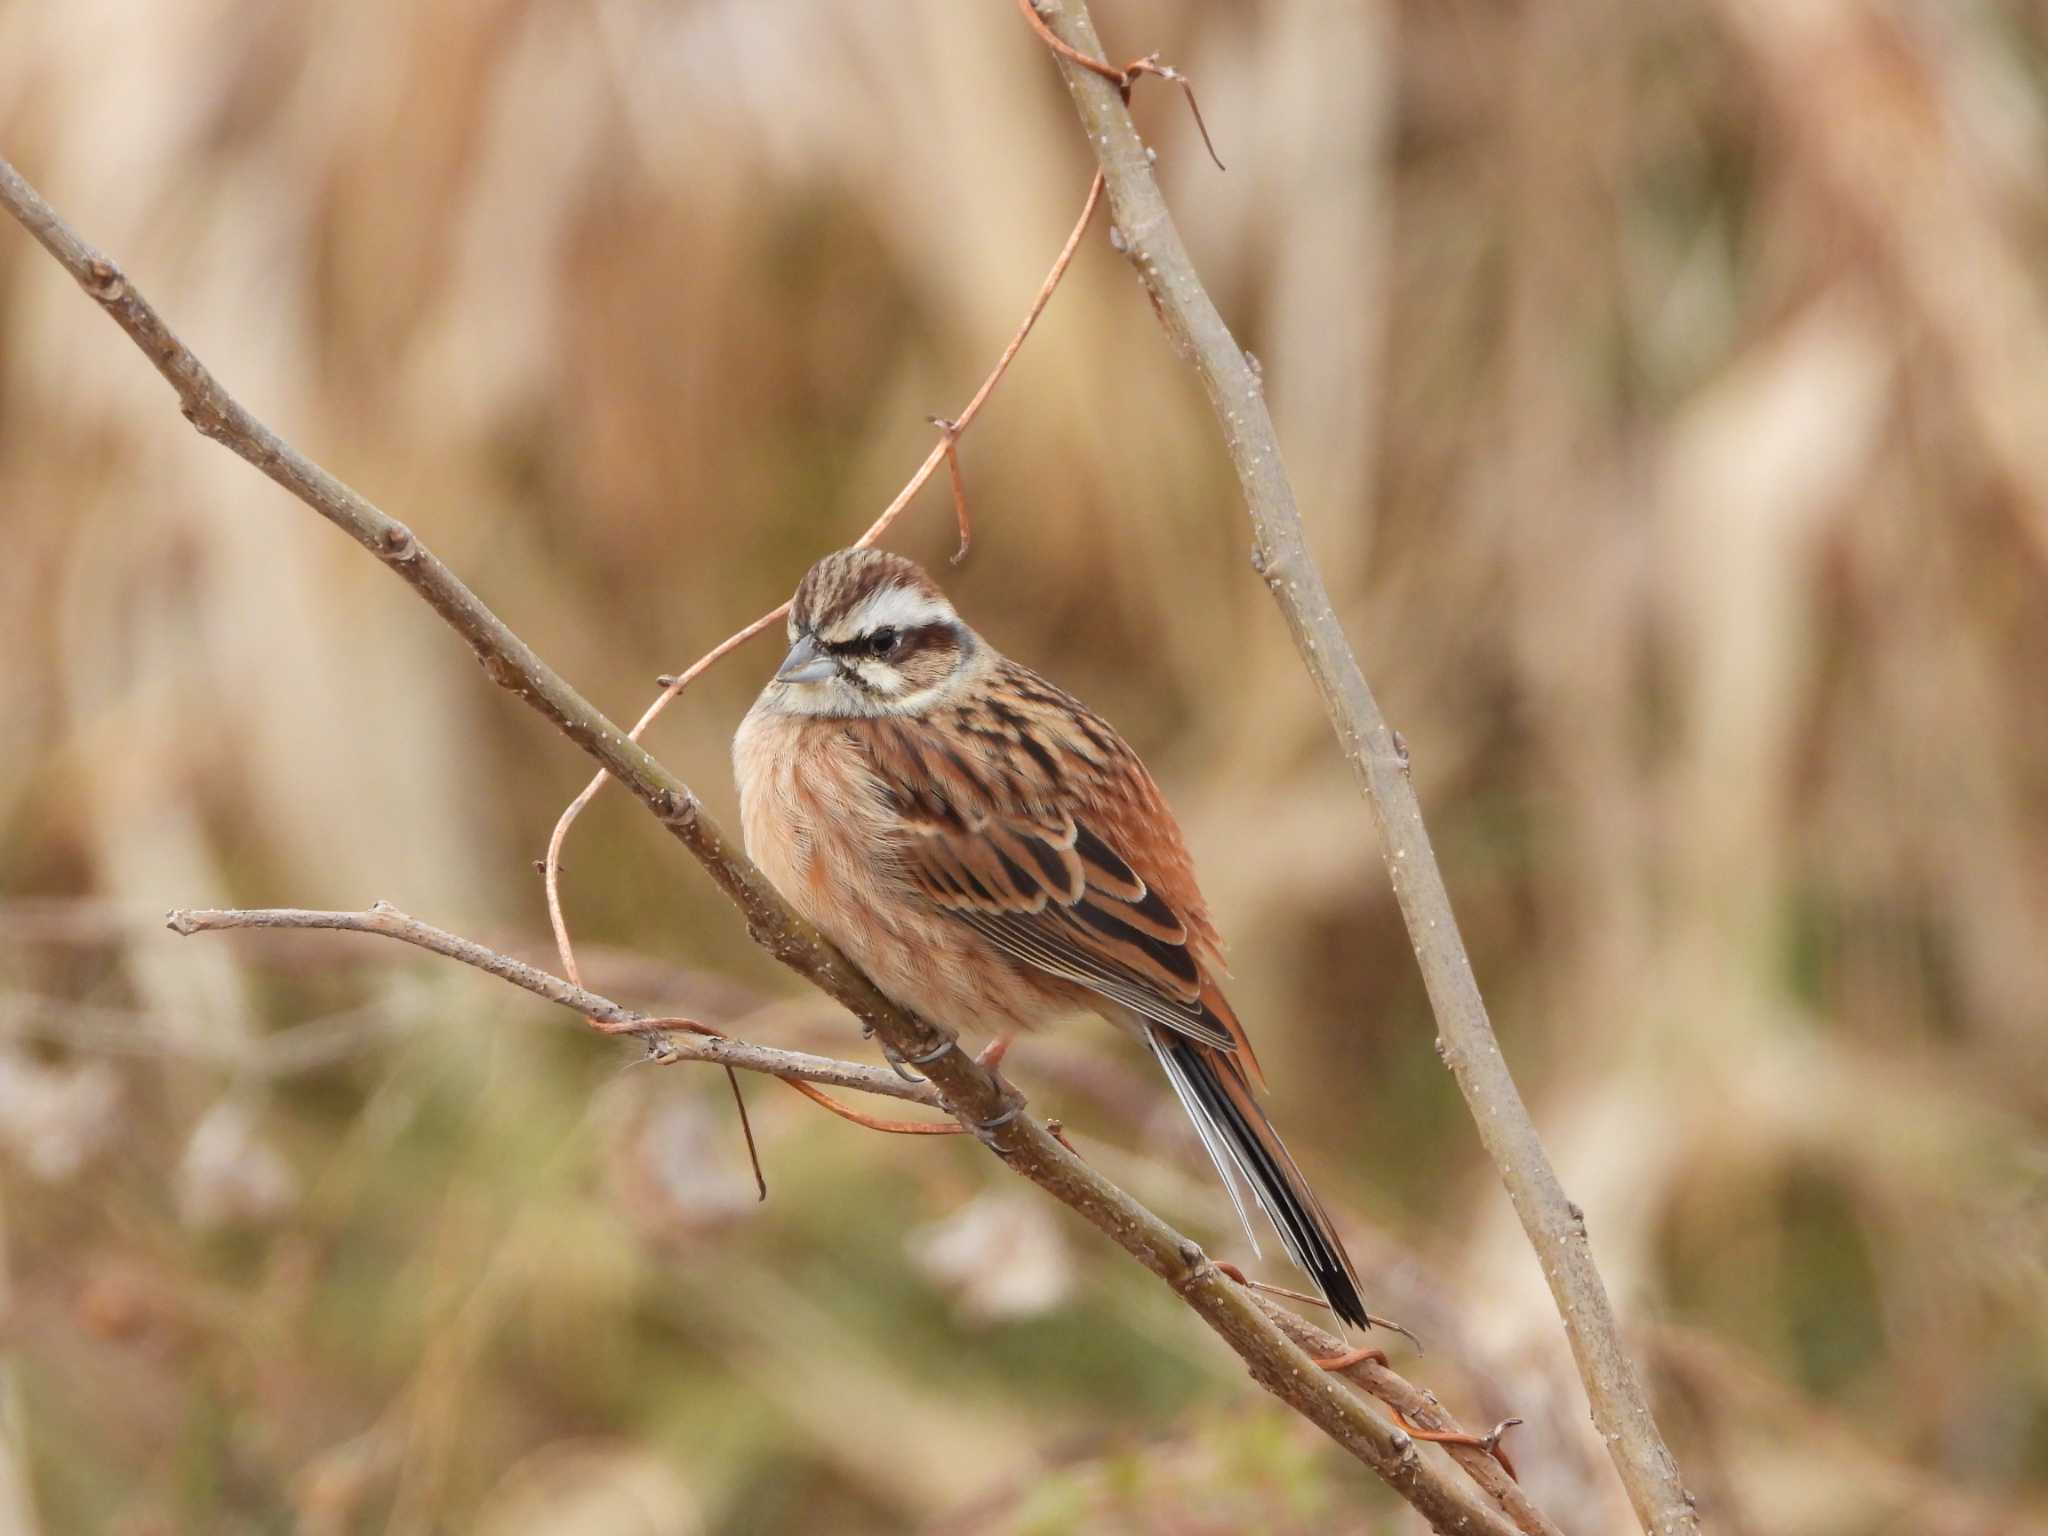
886	641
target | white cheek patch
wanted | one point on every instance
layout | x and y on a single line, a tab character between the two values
890	608
880	676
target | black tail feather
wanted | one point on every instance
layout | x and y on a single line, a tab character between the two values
1242	1143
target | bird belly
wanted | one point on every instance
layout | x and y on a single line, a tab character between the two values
826	841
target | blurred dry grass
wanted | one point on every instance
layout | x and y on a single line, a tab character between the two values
1660	384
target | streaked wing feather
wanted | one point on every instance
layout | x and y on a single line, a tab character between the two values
1031	821
1028	941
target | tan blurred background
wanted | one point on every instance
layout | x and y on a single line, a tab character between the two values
1664	388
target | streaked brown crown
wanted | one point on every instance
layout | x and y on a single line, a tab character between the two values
838	584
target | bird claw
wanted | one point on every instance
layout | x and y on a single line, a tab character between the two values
897	1064
985	1129
932	1055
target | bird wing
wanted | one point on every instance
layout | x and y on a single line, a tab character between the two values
1029	819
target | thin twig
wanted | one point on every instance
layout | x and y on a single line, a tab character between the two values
975	1096
951	443
1556	1229
808	1088
673	688
697	1043
1421	1409
1123	79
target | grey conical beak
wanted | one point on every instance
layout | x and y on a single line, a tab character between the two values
806	663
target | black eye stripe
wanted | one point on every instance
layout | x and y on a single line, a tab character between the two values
910	641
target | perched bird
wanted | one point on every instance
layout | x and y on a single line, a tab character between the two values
991	853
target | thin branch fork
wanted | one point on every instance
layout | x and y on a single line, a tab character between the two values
974	1095
1151	242
1123	79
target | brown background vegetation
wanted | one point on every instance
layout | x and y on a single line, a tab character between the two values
1659	384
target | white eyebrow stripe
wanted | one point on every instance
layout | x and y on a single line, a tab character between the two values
892	608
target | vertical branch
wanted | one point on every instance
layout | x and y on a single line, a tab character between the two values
1555	1226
